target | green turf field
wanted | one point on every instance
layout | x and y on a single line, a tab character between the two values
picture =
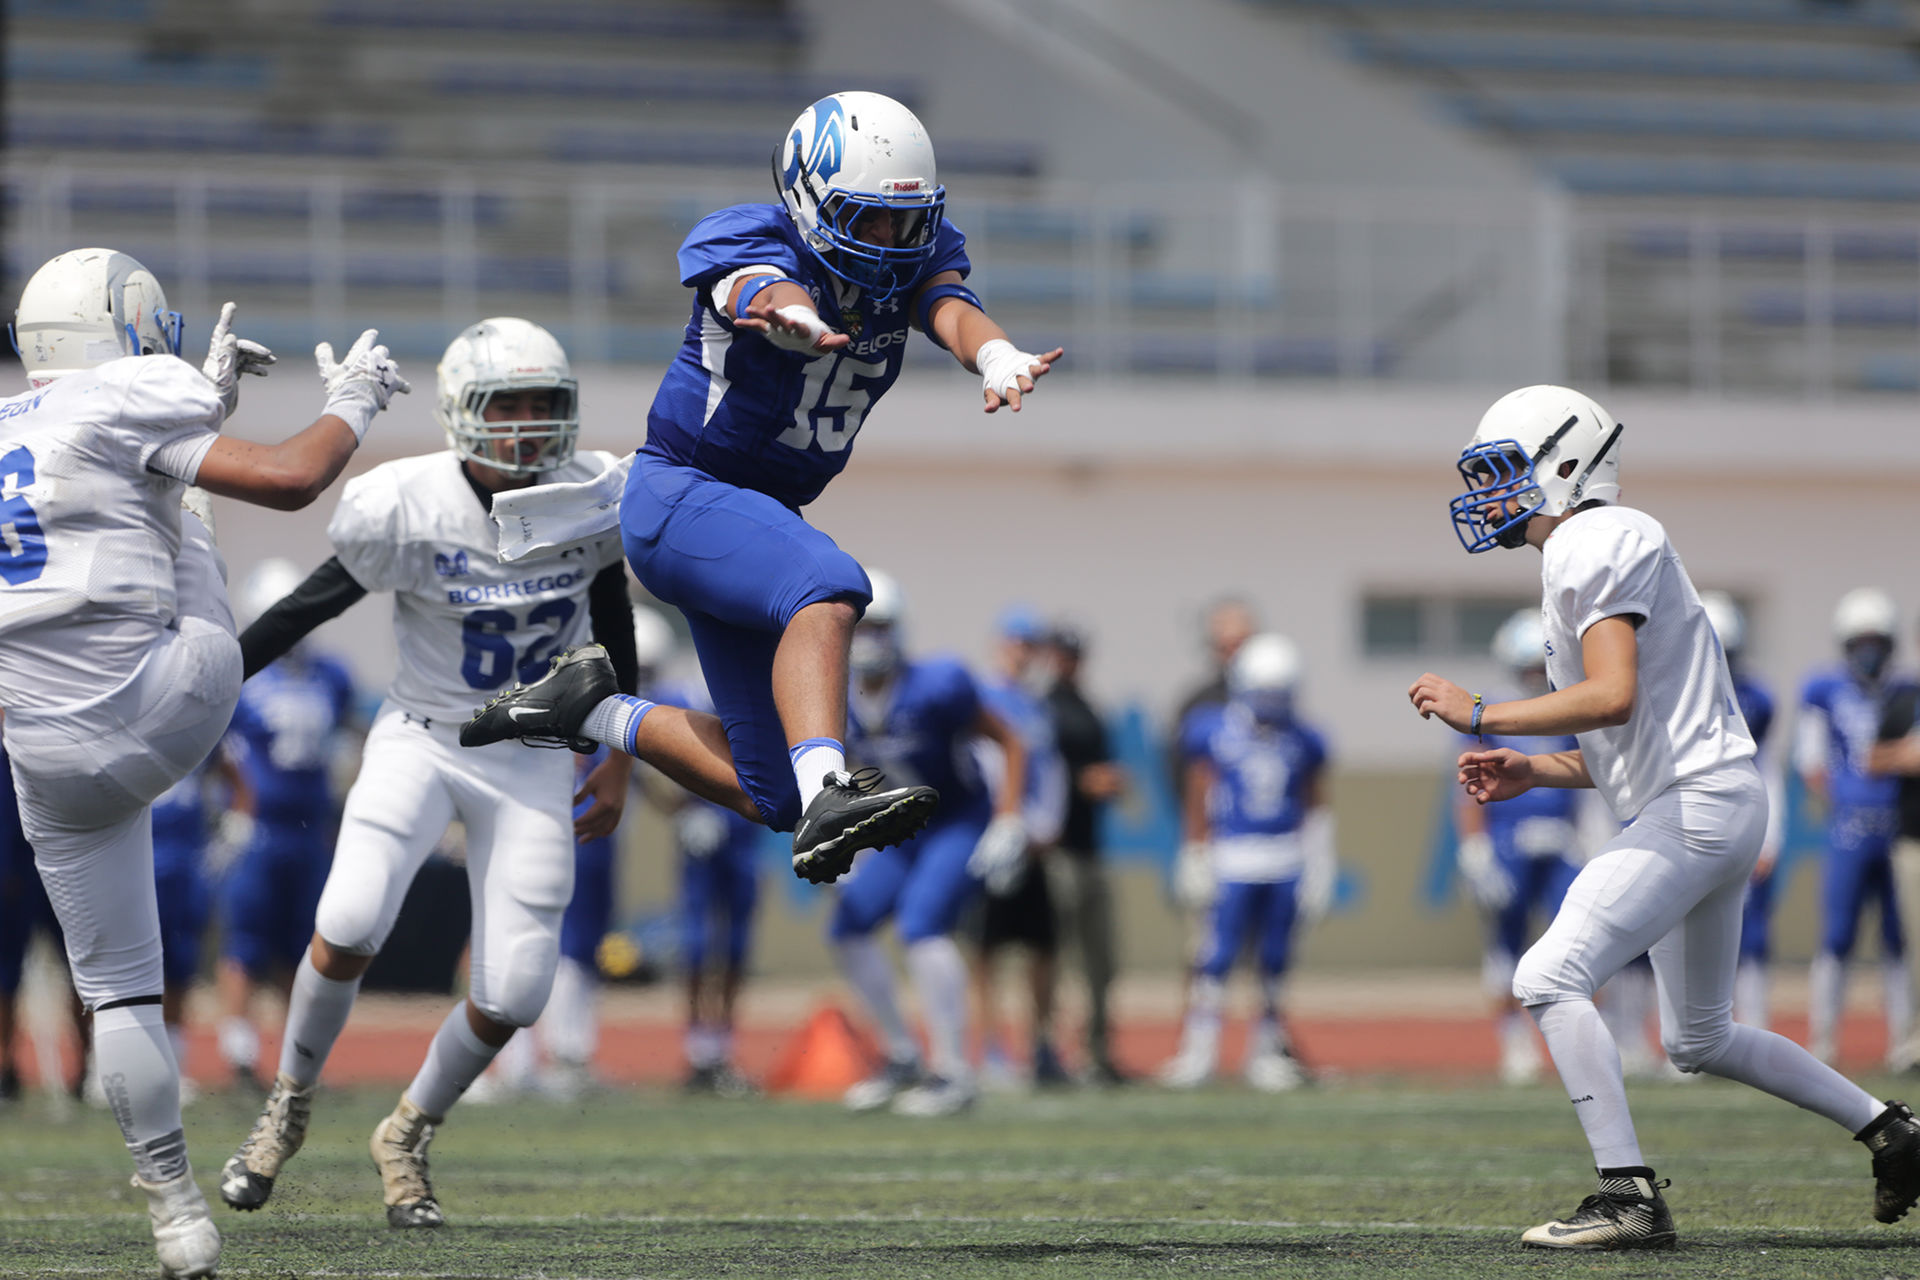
1344	1180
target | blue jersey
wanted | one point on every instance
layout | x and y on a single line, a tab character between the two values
1557	805
283	731
180	825
1840	722
1263	773
747	412
1756	704
925	735
1044	789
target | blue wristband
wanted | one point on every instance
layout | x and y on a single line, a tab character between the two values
1473	725
923	307
751	288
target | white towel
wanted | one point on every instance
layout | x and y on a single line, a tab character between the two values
549	518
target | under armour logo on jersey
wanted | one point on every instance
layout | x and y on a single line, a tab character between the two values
450	566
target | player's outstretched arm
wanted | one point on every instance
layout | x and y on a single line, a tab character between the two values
1609	653
784	314
950	314
290	475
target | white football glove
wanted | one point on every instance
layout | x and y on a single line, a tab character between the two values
228	357
361	383
699	830
1486	879
1194	885
232	834
806	343
1002	365
1000	855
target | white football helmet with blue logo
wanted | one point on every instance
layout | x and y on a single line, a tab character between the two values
852	155
507	354
1549	449
89	306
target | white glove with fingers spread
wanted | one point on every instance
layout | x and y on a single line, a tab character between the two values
1000	855
1486	879
361	383
228	357
1194	884
1002	365
807	342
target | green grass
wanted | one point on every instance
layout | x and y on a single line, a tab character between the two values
1346	1180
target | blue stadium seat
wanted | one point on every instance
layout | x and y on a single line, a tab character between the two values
751	150
1852	308
1638	55
82	12
627	83
718	22
1873	15
1645	116
1738	178
1781	244
32	62
160	134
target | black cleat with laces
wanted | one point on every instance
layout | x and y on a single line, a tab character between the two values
1627	1212
852	813
550	711
1894	1139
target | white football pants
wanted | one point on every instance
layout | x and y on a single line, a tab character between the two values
516	803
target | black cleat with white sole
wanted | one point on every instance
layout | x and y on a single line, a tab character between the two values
852	813
1628	1212
550	711
1894	1139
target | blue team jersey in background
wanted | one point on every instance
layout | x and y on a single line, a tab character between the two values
1263	774
926	736
283	731
180	826
1851	717
744	411
1756	704
1558	804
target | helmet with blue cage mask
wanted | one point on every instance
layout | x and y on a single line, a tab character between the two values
850	157
86	307
1541	450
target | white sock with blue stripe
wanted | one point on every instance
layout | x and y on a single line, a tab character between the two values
813	760
616	721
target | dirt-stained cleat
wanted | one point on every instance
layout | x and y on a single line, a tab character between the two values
1627	1212
247	1178
852	813
1894	1139
183	1232
550	711
399	1148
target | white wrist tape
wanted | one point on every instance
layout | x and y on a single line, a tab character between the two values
1002	364
794	313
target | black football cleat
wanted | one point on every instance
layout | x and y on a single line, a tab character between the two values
1894	1139
851	813
1627	1213
550	711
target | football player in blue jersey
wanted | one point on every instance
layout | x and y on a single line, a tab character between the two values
285	728
1256	801
802	312
1839	719
1750	983
919	719
1518	856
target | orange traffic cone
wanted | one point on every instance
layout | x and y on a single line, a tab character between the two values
826	1058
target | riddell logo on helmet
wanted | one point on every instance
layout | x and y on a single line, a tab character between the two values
901	186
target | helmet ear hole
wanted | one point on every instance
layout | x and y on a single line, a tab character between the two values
1566	468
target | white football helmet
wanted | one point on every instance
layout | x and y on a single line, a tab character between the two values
653	637
1263	675
850	155
499	356
89	306
876	649
1549	449
1863	612
269	582
1520	645
1727	619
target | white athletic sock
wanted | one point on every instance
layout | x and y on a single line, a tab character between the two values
1589	1065
316	1012
455	1060
1750	995
1897	991
1776	1065
239	1043
1625	1001
940	979
570	1026
868	970
703	1046
1826	993
1200	1035
177	1044
615	722
813	760
137	1071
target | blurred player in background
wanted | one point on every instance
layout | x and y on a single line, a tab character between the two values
801	316
464	624
24	912
285	730
118	665
1840	710
1896	754
917	718
1751	996
1021	913
1518	857
1257	805
1079	872
1638	677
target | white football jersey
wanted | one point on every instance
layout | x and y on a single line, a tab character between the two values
1615	561
467	626
89	526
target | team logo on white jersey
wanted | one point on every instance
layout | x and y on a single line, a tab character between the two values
450	566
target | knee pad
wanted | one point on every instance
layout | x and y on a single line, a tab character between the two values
1539	979
514	992
1697	1049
